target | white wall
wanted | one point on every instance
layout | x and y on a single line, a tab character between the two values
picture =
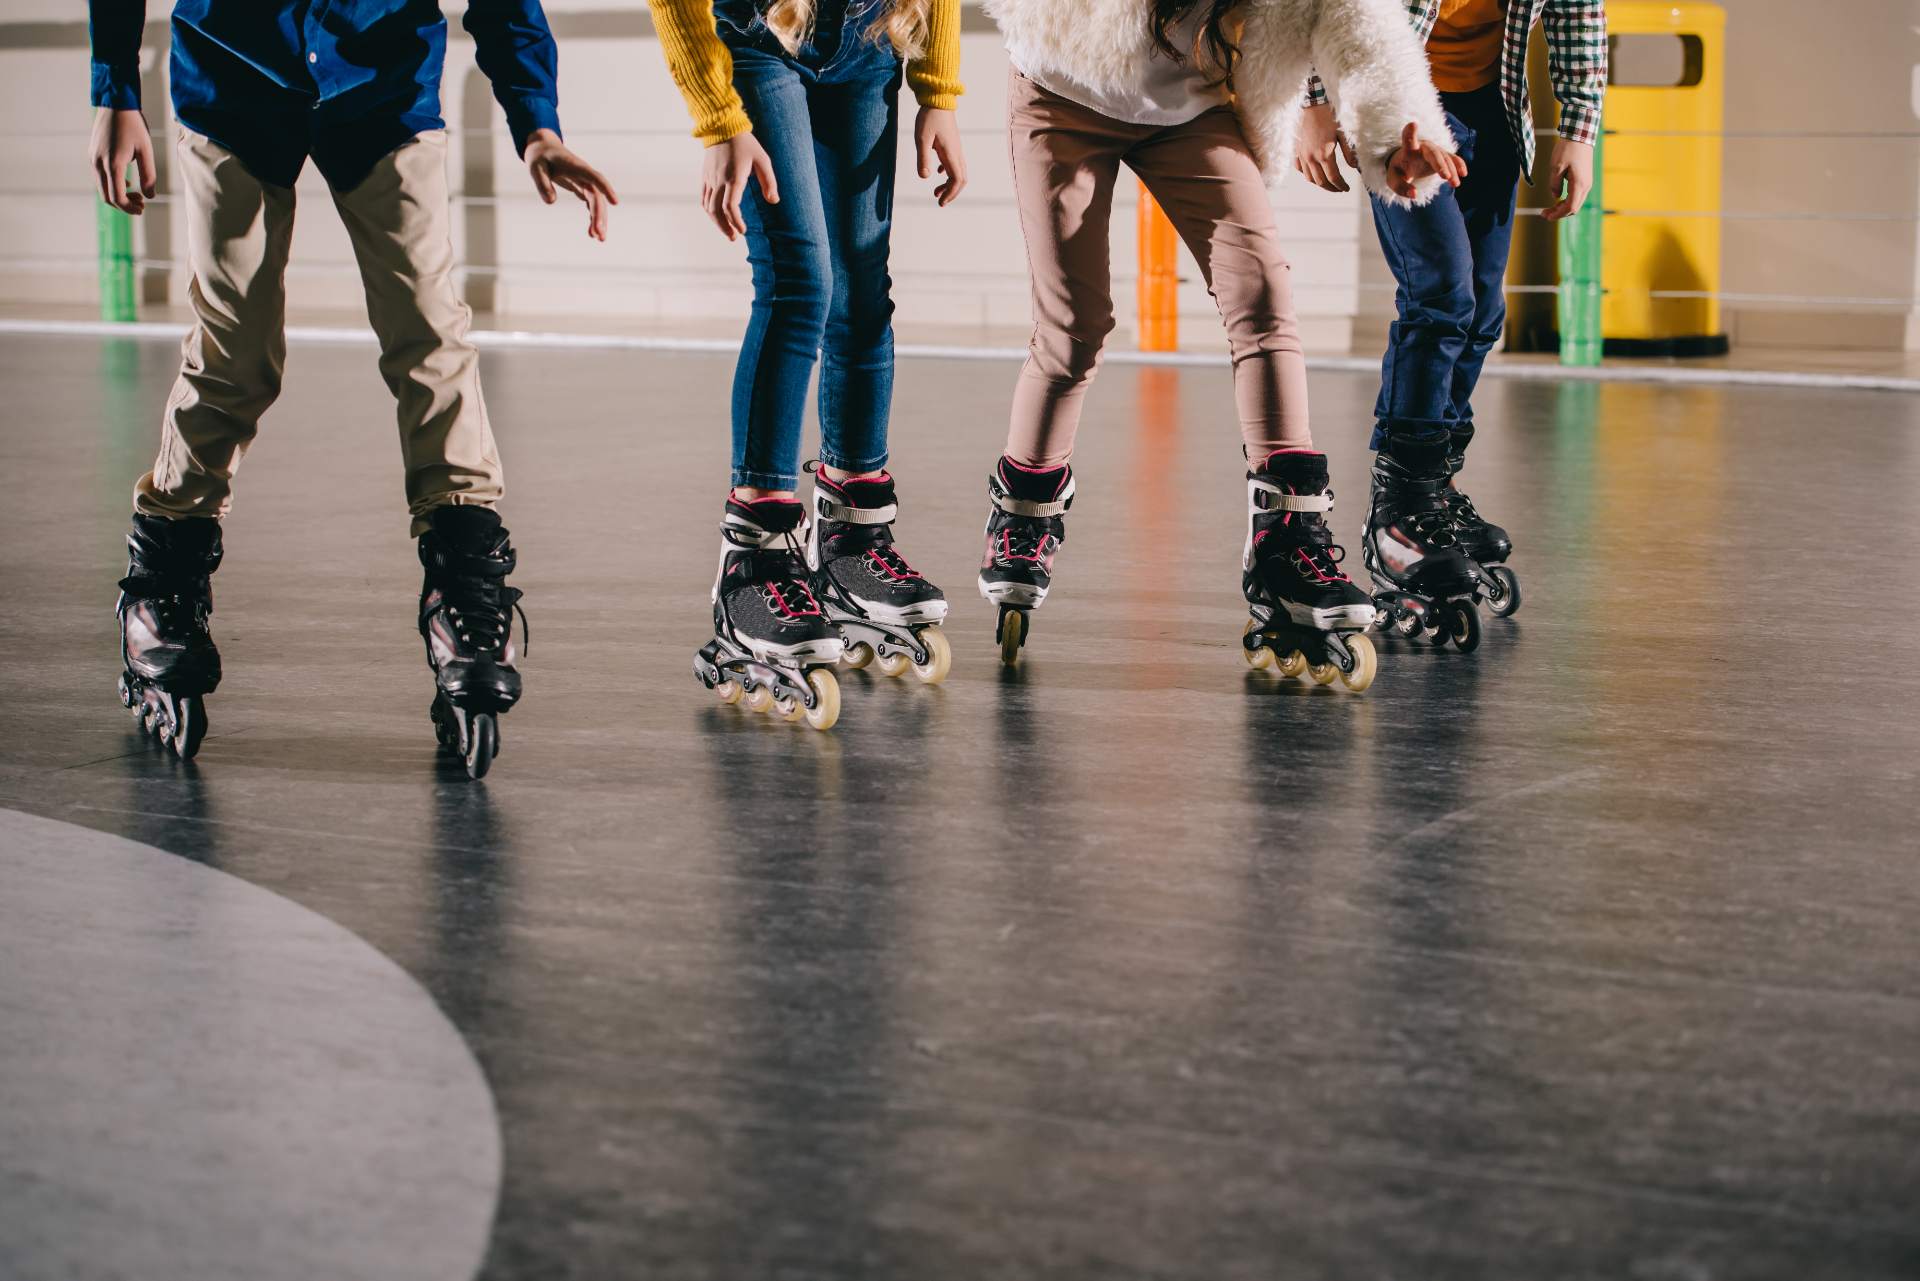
960	272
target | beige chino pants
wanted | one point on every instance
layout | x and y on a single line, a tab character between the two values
238	231
1066	160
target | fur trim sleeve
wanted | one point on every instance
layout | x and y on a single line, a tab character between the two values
1270	79
1377	72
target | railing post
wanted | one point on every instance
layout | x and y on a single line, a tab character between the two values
1580	266
1159	278
117	296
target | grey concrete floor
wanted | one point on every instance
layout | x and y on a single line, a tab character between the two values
1588	955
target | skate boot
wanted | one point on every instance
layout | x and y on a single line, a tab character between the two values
466	619
1308	617
167	651
1025	528
1484	542
1422	581
772	642
883	606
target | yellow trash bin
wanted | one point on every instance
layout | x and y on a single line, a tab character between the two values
1660	169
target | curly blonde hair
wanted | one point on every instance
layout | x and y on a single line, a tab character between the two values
903	24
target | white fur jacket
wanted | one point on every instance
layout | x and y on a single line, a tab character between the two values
1365	50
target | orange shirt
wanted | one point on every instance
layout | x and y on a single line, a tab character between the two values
1464	49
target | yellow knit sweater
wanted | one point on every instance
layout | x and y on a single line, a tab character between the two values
703	68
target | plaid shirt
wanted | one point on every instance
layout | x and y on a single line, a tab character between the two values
1576	61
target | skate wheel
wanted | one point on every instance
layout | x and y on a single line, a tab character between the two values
1294	664
1366	663
1260	657
1407	625
857	656
728	691
1013	634
759	698
483	742
1463	626
826	699
939	656
894	664
1322	673
788	709
126	691
1505	598
189	729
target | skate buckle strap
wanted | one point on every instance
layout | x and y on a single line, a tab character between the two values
1270	497
1012	506
845	515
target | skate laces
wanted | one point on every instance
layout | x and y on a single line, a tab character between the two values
1025	538
875	542
1462	509
172	602
781	580
480	608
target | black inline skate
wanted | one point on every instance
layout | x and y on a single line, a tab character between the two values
884	608
170	661
1025	528
1422	580
772	642
1484	542
466	619
1308	617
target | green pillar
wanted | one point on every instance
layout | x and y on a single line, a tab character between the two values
116	265
1580	290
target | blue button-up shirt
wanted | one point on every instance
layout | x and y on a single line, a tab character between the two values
345	81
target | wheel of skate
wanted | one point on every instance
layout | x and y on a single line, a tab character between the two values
1463	625
1260	657
826	699
1507	585
759	698
787	709
1366	663
1322	673
857	656
894	664
189	730
1294	664
728	691
1013	634
126	691
939	656
483	741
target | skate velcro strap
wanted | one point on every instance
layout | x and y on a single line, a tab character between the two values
830	510
1023	507
1272	498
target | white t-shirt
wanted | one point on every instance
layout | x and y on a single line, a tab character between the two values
1172	93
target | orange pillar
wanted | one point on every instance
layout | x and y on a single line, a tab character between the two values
1159	278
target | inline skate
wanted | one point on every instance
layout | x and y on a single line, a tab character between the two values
1422	580
1308	617
885	609
1484	542
1025	528
772	645
466	620
166	649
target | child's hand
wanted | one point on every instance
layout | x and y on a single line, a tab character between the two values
936	136
723	181
553	164
1572	166
120	138
1413	160
1320	136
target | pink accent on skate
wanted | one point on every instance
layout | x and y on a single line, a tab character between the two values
873	553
